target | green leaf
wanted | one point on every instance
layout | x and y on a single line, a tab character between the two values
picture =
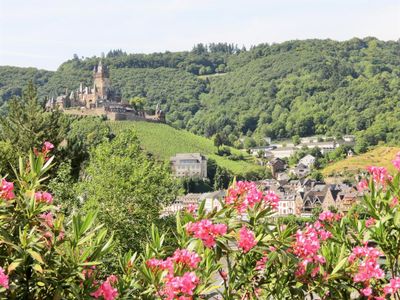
35	255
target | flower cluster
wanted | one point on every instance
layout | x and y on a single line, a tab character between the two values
393	286
370	222
396	161
6	189
206	231
380	175
307	245
180	287
366	258
246	239
177	287
362	185
3	279
329	216
106	289
48	219
44	197
47	147
260	264
244	195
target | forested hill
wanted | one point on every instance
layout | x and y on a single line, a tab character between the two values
293	88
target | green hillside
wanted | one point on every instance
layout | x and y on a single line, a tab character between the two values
302	87
164	141
380	156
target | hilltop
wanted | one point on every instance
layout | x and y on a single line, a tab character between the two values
164	141
302	87
380	156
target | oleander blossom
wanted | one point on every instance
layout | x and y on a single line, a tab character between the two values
3	279
362	185
206	231
396	161
393	286
186	257
47	147
244	194
6	189
44	197
394	202
246	239
380	175
307	246
106	290
48	219
329	216
370	222
180	287
365	259
177	287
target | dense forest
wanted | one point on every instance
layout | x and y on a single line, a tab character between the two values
294	88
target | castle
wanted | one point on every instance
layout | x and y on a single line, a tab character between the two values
100	100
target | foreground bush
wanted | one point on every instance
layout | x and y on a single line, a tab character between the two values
238	252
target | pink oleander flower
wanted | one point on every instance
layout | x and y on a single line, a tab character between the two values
6	190
307	245
186	257
260	264
191	208
48	218
396	161
3	279
206	231
106	290
362	185
366	258
44	197
246	239
180	287
394	202
47	147
366	291
244	195
370	222
167	264
329	216
380	175
393	286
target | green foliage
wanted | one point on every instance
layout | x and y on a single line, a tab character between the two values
44	258
282	90
128	188
164	142
27	125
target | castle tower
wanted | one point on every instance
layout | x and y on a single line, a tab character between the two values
101	82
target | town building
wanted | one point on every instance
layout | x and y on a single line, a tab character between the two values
277	165
308	161
193	165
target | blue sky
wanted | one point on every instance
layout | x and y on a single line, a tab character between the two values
44	33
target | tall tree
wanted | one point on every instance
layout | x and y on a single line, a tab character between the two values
127	187
27	124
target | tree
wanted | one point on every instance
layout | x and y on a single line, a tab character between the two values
296	140
218	140
27	124
222	178
138	102
128	188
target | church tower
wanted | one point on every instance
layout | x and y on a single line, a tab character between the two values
101	82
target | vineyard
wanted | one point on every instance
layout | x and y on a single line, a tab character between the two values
165	141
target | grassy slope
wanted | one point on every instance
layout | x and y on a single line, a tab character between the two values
165	141
381	156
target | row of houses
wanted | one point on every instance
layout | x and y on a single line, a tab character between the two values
285	151
297	197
